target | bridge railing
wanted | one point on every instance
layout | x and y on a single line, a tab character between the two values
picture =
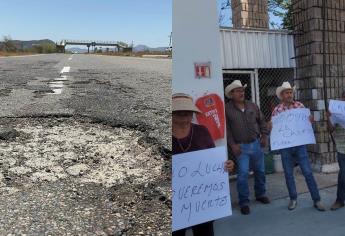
69	41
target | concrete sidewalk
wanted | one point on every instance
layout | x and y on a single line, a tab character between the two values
276	220
276	187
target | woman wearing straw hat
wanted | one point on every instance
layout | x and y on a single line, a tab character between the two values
188	137
293	155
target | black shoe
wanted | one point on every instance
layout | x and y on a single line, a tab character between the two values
245	210
263	200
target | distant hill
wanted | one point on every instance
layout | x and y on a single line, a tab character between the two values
20	44
30	43
143	48
76	50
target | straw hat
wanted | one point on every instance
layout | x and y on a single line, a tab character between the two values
234	85
285	86
183	102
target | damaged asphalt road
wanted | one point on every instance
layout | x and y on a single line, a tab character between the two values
85	152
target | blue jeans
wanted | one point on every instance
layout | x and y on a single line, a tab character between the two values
299	155
251	154
341	178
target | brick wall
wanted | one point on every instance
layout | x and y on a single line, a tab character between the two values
250	13
308	30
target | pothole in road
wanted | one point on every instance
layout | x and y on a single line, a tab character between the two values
53	149
5	92
55	86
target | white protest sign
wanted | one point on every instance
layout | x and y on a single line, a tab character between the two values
292	128
200	187
337	107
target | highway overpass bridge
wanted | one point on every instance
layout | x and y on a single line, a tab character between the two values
119	46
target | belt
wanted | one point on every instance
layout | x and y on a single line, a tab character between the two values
250	141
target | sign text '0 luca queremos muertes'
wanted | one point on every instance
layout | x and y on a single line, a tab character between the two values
292	128
200	187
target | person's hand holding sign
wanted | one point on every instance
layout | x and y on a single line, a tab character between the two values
263	141
269	125
330	126
311	119
229	165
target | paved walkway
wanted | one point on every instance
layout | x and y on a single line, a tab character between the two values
276	220
276	187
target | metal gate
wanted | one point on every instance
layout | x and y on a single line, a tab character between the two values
248	77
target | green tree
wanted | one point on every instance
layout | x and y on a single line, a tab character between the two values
8	44
43	48
283	10
48	48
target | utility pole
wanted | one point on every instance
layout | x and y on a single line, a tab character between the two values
170	43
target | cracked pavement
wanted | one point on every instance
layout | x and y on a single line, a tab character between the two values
86	152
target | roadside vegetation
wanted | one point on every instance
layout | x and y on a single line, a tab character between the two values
137	54
158	54
9	47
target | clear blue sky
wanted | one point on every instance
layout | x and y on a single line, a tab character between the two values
143	21
146	22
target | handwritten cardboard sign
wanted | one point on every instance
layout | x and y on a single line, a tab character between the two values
337	107
292	128
200	187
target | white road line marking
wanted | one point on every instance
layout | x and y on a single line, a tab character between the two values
56	84
70	58
62	78
66	69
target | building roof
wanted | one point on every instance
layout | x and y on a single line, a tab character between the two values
251	49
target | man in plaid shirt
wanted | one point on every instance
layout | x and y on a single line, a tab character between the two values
293	155
283	107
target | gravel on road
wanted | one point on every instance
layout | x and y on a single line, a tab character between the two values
93	160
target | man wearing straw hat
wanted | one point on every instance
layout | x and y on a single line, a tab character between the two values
293	155
247	133
189	137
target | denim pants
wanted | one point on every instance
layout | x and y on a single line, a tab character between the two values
341	178
205	229
251	155
299	155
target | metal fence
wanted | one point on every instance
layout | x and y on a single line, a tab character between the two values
261	87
